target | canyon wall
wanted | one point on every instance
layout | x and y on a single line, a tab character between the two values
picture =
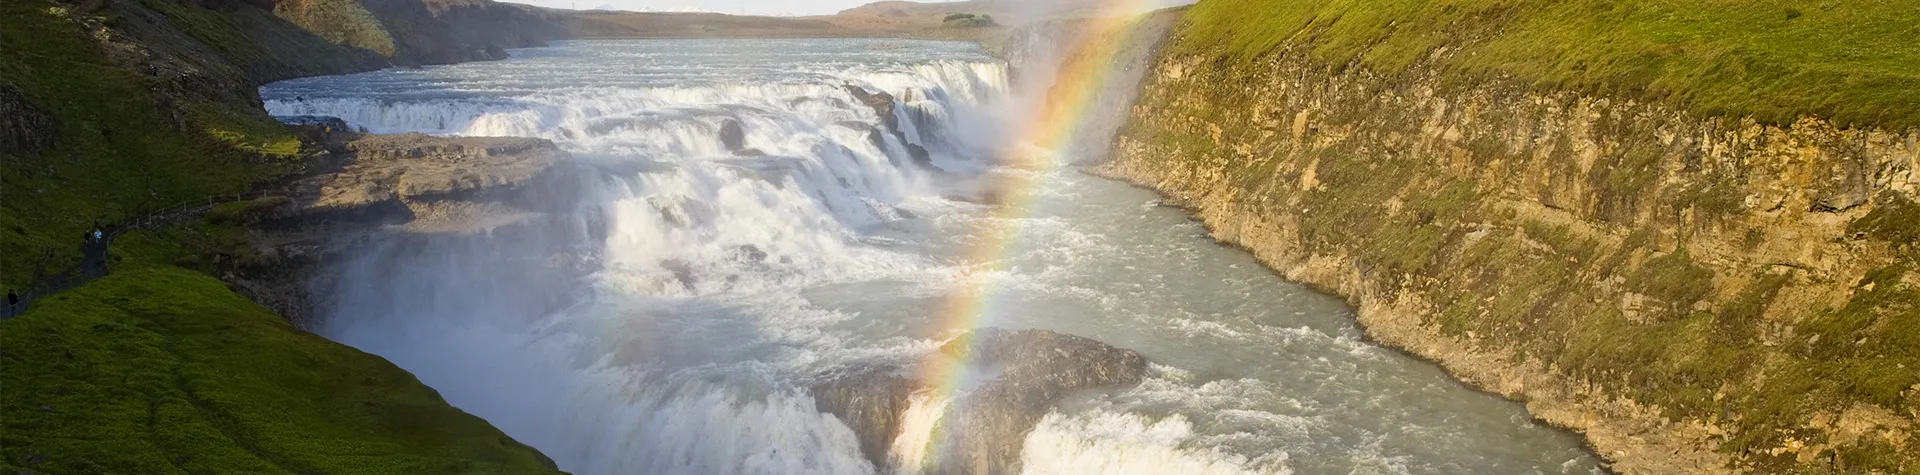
1694	293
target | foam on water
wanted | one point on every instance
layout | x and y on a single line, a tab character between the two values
1109	443
910	451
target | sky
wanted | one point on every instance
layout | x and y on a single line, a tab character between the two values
748	7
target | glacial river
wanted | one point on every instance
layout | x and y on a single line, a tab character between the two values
671	322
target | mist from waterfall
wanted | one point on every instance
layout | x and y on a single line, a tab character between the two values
670	312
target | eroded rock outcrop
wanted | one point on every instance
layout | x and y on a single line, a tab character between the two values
404	190
1694	294
983	428
25	129
426	181
883	104
871	400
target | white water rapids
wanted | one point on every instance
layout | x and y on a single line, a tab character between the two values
673	321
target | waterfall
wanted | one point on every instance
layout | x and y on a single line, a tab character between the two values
654	328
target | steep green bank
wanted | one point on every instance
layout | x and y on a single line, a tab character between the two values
112	109
97	142
167	371
1686	230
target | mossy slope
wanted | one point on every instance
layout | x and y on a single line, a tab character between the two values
1776	60
167	371
122	145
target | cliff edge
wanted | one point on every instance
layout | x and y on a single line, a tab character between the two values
116	112
1689	233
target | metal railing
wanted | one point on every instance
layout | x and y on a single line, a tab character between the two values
95	255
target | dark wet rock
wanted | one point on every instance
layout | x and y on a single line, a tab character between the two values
871	400
732	135
983	430
919	154
880	102
751	253
25	129
883	104
313	121
682	272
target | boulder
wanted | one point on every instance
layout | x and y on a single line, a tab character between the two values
986	427
870	400
982	431
734	138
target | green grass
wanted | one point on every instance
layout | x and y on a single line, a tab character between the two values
242	131
340	21
1674	279
158	369
118	153
167	371
1855	62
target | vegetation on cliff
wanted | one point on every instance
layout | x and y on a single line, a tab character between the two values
167	371
110	110
340	21
117	146
1694	291
1775	60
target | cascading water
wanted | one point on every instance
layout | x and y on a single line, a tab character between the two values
749	222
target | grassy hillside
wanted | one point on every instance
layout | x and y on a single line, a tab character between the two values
1852	61
167	371
134	106
119	149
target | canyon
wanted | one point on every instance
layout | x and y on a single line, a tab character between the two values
1691	283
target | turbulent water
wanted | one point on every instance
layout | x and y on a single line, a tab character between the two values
674	321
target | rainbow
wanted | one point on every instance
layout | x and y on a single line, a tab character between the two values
1085	70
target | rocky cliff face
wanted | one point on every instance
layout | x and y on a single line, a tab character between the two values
395	188
428	181
1695	294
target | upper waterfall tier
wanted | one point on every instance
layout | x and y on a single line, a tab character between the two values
673	99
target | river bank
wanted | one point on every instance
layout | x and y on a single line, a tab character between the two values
1671	284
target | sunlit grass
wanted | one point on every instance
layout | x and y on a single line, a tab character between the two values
1856	62
167	371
